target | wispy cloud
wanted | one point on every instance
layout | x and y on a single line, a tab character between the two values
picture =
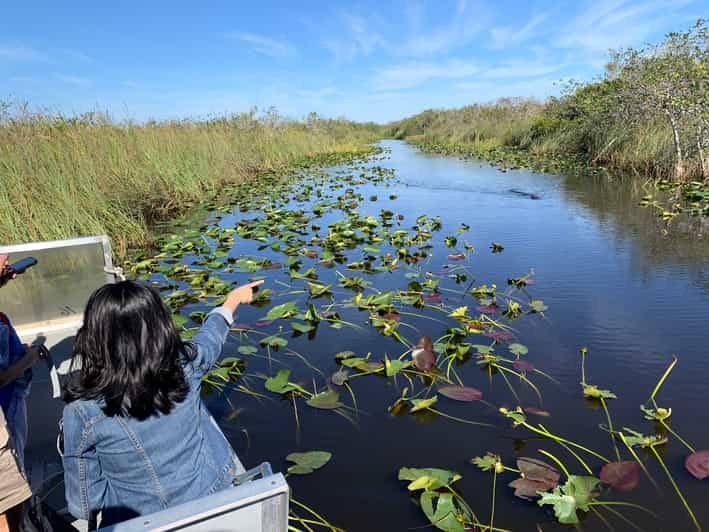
522	69
508	36
21	53
265	45
415	73
607	24
74	80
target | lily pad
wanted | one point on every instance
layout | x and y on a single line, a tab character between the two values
307	462
574	495
523	365
422	404
285	310
461	393
623	476
429	478
279	383
340	377
518	349
248	349
327	400
698	464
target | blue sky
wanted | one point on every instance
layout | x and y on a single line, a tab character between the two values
364	60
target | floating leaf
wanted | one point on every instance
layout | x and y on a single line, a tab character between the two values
698	464
422	404
575	494
307	462
523	365
518	349
285	310
594	392
423	356
487	309
340	377
499	336
456	256
279	383
489	462
302	327
623	476
274	341
392	367
538	305
429	478
248	350
180	320
461	393
327	400
446	514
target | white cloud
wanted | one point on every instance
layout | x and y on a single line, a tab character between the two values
415	73
265	45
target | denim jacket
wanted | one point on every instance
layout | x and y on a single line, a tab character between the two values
124	467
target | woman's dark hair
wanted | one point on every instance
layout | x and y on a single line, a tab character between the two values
131	354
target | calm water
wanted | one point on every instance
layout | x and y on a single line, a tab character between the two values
613	282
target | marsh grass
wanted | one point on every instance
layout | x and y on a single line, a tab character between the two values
65	177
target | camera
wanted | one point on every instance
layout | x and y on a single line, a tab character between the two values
17	268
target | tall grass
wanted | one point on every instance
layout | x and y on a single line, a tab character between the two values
65	177
641	147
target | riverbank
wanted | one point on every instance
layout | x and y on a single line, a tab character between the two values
68	177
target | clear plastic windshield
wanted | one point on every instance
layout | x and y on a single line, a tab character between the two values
57	288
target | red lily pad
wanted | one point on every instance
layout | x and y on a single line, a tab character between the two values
392	316
244	326
456	256
499	336
536	411
487	309
423	355
262	323
461	393
523	365
526	488
272	266
536	476
435	297
698	464
623	476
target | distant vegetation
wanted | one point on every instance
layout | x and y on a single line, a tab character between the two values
648	114
64	177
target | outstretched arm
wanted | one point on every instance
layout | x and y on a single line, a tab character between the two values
210	339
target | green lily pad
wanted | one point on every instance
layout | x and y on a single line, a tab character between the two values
574	495
248	349
327	400
279	383
307	462
284	310
422	404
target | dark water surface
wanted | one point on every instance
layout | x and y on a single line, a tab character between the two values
612	281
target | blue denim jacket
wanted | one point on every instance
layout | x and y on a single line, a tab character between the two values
124	467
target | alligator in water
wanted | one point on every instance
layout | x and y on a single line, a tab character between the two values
529	195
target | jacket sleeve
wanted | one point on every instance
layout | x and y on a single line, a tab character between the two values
209	340
84	484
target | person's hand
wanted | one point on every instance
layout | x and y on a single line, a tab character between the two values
242	294
34	353
3	269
